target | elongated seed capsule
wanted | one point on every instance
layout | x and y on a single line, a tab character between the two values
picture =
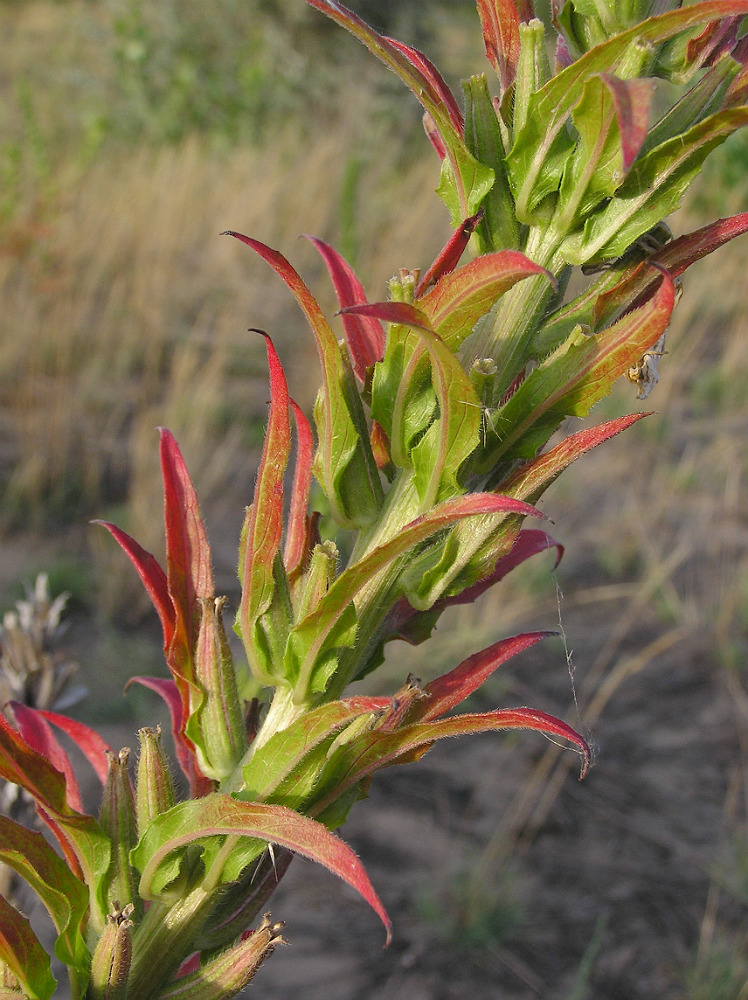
117	818
110	965
227	973
154	792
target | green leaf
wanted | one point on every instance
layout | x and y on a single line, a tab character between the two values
537	159
285	750
611	119
704	98
575	377
63	894
498	228
652	190
22	952
220	815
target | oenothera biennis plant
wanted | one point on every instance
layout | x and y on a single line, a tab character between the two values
431	448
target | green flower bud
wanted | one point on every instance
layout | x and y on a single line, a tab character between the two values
110	966
227	973
154	786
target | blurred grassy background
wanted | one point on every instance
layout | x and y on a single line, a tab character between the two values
131	134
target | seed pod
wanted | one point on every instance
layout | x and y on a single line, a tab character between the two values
110	965
217	725
154	786
118	819
224	975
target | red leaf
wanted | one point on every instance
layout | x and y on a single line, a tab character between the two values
38	734
153	577
449	256
530	480
676	257
297	529
263	528
402	313
88	741
452	688
188	568
430	73
364	336
632	99
500	20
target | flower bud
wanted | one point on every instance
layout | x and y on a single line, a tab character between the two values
154	786
216	725
118	820
110	965
227	973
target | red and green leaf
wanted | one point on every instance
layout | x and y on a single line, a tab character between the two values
23	954
576	376
459	299
364	335
531	479
359	759
263	525
308	638
61	892
465	181
220	815
188	560
676	257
